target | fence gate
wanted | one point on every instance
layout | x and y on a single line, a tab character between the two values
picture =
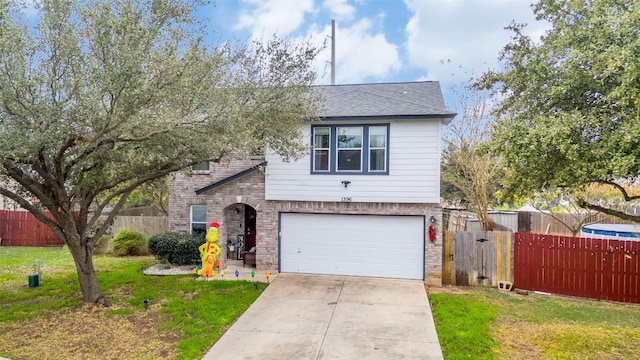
480	258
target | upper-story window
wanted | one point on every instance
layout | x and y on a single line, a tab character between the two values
201	168
361	149
349	148
321	148
377	148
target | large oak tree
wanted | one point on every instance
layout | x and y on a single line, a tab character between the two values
570	116
100	97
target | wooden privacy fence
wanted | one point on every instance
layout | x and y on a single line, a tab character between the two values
545	223
529	221
480	258
593	268
148	225
21	228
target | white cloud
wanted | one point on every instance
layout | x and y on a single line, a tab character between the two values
361	53
340	9
268	17
468	33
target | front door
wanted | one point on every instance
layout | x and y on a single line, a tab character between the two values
250	227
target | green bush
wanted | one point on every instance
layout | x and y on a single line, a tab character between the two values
163	244
176	248
129	242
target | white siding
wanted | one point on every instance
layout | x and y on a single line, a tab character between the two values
414	171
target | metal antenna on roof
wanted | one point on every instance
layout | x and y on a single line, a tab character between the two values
333	51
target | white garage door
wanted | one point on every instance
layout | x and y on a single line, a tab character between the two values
361	245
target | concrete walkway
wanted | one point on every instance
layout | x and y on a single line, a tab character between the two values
333	317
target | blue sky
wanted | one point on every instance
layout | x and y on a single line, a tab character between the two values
385	40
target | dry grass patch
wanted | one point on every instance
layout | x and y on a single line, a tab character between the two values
515	339
449	289
90	333
522	340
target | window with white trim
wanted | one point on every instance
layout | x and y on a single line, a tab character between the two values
355	149
198	219
349	148
377	148
321	149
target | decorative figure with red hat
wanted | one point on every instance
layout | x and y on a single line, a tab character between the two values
209	251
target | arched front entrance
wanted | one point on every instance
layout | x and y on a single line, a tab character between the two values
240	225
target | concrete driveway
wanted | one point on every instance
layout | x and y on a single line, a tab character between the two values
333	317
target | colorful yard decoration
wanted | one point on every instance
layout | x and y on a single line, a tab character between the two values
207	268
209	251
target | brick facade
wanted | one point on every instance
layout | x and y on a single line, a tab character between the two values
225	204
182	191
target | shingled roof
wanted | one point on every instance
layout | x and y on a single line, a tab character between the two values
407	100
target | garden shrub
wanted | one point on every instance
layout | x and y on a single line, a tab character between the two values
176	248
129	242
163	244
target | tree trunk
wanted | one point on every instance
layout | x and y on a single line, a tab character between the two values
485	221
83	258
480	207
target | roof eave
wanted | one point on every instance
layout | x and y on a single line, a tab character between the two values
446	118
230	178
449	118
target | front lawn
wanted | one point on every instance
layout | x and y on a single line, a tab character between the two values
181	319
484	323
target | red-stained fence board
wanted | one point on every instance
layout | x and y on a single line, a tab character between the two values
21	228
592	268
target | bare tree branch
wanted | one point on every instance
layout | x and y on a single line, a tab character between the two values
619	214
619	187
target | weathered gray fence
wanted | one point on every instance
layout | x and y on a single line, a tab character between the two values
543	223
528	221
481	258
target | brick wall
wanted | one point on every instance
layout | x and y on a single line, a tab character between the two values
223	201
182	190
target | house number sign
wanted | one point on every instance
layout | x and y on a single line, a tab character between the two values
346	199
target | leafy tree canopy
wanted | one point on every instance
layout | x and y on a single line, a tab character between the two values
99	97
570	114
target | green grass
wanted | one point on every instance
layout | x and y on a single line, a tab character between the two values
463	327
544	309
199	311
489	324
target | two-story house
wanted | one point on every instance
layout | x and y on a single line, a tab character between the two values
364	201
